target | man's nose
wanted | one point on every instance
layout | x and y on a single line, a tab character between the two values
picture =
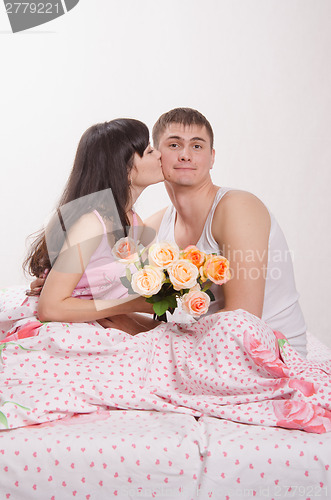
184	155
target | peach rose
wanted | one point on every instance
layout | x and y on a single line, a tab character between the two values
148	281
163	254
183	274
125	250
216	269
195	302
194	255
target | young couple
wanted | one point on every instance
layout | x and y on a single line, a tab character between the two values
117	156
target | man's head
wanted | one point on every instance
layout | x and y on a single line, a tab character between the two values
183	116
185	139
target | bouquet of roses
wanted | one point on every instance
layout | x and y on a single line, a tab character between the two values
169	274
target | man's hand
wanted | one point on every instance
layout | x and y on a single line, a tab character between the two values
129	323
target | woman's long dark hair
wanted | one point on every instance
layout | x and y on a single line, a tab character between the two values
103	161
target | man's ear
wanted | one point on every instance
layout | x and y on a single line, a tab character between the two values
212	158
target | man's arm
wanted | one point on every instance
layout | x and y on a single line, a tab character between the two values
241	227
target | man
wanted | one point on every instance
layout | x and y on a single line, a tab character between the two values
231	222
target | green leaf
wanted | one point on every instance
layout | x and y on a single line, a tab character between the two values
206	287
125	282
281	342
25	348
1	349
5	344
165	304
172	302
128	274
13	403
160	307
19	345
3	419
152	299
210	293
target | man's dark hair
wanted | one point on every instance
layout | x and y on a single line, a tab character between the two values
184	116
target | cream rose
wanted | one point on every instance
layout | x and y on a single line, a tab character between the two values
125	250
183	274
148	281
163	254
195	302
216	269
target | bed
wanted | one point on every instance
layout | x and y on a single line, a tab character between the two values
98	452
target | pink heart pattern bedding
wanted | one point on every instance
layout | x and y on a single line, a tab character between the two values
229	365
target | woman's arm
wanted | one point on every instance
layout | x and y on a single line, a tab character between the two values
56	302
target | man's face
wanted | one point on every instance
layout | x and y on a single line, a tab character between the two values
186	154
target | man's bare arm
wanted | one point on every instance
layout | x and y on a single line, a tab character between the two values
241	227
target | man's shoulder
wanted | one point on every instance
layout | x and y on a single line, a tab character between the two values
237	195
238	200
154	221
237	211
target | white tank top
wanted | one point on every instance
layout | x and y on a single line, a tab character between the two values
281	309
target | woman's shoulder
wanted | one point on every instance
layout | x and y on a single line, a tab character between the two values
87	228
154	221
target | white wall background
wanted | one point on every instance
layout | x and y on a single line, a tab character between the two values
258	69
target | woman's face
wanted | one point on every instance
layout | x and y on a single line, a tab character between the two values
146	169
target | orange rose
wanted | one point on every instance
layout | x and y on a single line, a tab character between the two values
125	250
148	281
183	274
216	269
195	302
163	254
194	255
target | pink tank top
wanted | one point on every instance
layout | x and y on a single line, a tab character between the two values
101	279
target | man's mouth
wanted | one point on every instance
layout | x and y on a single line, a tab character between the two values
184	168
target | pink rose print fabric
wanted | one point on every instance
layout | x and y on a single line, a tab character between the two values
228	365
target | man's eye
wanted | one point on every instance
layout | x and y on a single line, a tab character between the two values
173	145
197	146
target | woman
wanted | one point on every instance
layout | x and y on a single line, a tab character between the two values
114	163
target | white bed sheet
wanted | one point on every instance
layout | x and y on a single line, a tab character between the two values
129	454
